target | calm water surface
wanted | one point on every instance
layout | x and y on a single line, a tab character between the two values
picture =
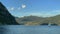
20	29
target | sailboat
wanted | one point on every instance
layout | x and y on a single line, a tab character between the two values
49	24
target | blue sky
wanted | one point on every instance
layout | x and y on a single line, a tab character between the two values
20	8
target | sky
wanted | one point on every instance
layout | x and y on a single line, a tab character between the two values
42	8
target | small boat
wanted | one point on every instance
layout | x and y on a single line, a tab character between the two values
49	24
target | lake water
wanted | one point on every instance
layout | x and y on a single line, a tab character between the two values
21	29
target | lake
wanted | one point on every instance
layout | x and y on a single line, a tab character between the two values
21	29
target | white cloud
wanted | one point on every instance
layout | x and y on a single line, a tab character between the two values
23	6
12	8
19	8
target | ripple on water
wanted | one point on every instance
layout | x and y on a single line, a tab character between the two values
20	29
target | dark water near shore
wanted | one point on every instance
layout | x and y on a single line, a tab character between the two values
20	29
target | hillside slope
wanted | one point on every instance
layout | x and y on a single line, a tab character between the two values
5	17
35	20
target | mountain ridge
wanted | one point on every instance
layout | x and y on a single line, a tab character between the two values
35	20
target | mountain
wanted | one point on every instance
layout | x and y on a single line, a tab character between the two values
55	19
30	20
5	17
35	20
